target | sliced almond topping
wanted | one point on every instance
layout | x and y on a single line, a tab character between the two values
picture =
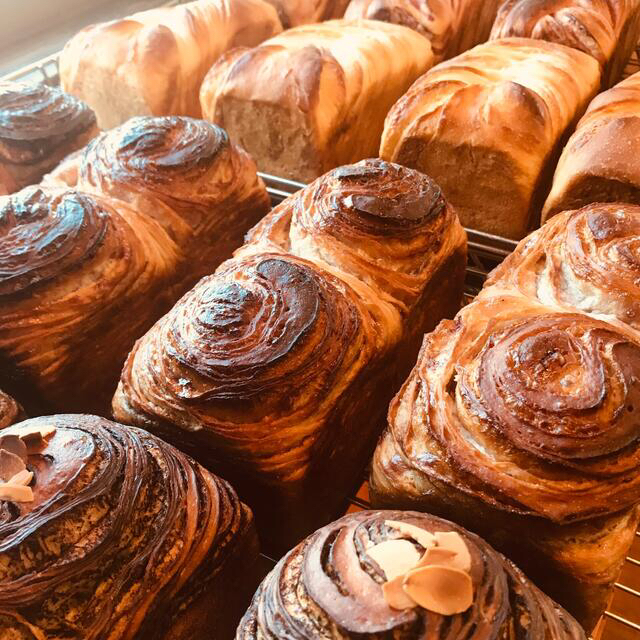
454	542
10	464
423	538
396	596
22	477
395	557
13	444
15	492
47	432
440	556
439	589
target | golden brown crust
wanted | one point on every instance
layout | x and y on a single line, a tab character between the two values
153	62
124	535
329	587
518	419
598	163
323	91
608	30
488	125
293	13
266	369
39	126
10	411
451	27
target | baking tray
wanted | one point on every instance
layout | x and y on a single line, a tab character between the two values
622	619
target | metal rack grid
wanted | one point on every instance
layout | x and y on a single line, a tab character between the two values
622	619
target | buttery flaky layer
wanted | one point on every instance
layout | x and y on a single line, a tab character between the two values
39	126
329	587
10	410
124	537
153	62
598	163
518	419
276	370
452	26
314	97
608	30
488	124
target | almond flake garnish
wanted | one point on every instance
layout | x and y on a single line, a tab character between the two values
395	594
394	557
442	590
15	492
438	555
13	444
454	542
423	538
23	477
35	437
10	464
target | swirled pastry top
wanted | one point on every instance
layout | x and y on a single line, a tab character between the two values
300	67
587	260
181	171
330	586
592	26
123	530
533	407
379	222
10	410
601	148
515	94
34	118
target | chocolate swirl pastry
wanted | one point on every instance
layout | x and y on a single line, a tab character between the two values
518	422
185	174
276	371
587	260
608	30
117	535
39	126
334	585
81	277
10	410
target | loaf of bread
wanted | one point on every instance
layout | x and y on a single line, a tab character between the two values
153	62
519	419
314	97
277	369
452	26
400	574
108	532
488	125
10	410
39	126
600	162
608	30
84	272
293	13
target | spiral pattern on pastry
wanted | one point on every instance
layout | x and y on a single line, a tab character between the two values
530	409
589	260
69	262
264	344
32	113
124	533
329	587
10	410
182	171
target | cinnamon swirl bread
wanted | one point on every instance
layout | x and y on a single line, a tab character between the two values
276	370
452	26
600	162
314	97
108	532
153	62
608	30
520	417
400	574
489	124
39	126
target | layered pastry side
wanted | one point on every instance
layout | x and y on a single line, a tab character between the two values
39	127
108	532
400	575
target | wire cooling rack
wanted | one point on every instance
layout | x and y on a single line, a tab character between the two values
622	619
